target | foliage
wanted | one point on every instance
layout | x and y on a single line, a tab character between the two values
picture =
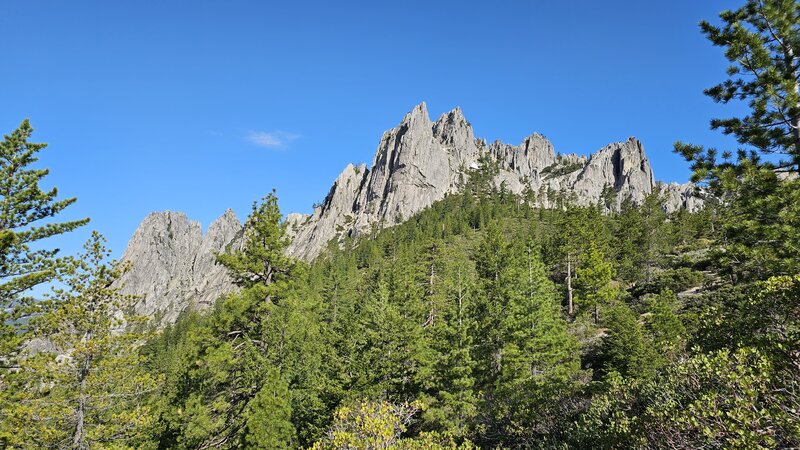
665	328
624	349
594	283
85	386
24	212
459	325
716	401
761	42
560	169
370	425
677	280
248	372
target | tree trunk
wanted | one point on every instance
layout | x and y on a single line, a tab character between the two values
530	275
795	120
79	435
460	298
570	306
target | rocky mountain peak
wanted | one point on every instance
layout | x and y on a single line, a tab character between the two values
415	164
531	156
621	166
419	162
174	265
417	115
455	135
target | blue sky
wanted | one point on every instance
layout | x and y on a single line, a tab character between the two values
200	106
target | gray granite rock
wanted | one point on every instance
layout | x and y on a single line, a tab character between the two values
680	196
416	163
172	264
419	162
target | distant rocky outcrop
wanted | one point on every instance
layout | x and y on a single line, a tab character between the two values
416	163
680	196
174	265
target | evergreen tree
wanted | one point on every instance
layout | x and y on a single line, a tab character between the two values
261	266
665	328
268	418
640	237
454	408
86	387
761	42
265	334
624	349
760	225
24	212
594	283
629	229
760	208
492	258
395	354
576	228
337	278
538	361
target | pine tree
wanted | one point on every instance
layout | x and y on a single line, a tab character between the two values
625	349
538	361
268	418
261	265
641	237
761	42
396	359
272	324
453	385
594	283
86	387
337	278
576	228
24	212
492	257
760	209
665	327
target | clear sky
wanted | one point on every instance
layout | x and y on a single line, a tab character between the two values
200	106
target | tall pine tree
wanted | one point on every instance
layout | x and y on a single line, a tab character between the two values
86	386
25	210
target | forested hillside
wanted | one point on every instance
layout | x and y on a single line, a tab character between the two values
457	324
483	321
458	311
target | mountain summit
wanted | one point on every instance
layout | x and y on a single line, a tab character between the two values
419	162
416	164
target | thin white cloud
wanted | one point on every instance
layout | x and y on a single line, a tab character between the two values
271	139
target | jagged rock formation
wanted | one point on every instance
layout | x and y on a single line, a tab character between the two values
416	163
677	196
419	162
173	264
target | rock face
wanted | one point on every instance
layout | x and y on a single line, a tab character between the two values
416	163
419	162
173	264
680	196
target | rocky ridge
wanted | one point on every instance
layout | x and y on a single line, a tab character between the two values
420	161
416	164
174	266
